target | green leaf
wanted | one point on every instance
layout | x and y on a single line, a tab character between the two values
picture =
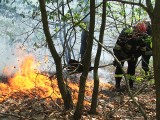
77	16
56	29
129	31
139	79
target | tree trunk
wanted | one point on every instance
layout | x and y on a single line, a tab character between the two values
156	56
84	37
66	95
86	63
96	63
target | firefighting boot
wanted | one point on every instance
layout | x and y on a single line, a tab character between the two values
117	86
131	83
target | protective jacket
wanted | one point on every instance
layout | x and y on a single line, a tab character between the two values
130	44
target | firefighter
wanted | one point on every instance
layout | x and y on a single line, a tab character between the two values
129	46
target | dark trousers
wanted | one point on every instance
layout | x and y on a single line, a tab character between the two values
130	71
145	62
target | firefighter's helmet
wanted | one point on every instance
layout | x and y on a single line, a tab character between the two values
141	27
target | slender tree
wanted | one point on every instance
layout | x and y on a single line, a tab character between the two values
155	19
86	63
96	63
65	92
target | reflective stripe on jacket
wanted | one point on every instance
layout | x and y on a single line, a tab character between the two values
127	75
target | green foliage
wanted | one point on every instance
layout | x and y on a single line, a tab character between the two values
129	31
152	81
77	16
83	25
148	40
48	1
86	9
139	79
66	17
142	76
56	29
51	15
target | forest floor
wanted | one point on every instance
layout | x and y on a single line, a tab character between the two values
112	105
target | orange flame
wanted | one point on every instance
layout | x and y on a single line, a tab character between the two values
30	81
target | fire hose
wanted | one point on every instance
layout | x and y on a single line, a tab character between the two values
77	67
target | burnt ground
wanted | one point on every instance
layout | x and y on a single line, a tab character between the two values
112	105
